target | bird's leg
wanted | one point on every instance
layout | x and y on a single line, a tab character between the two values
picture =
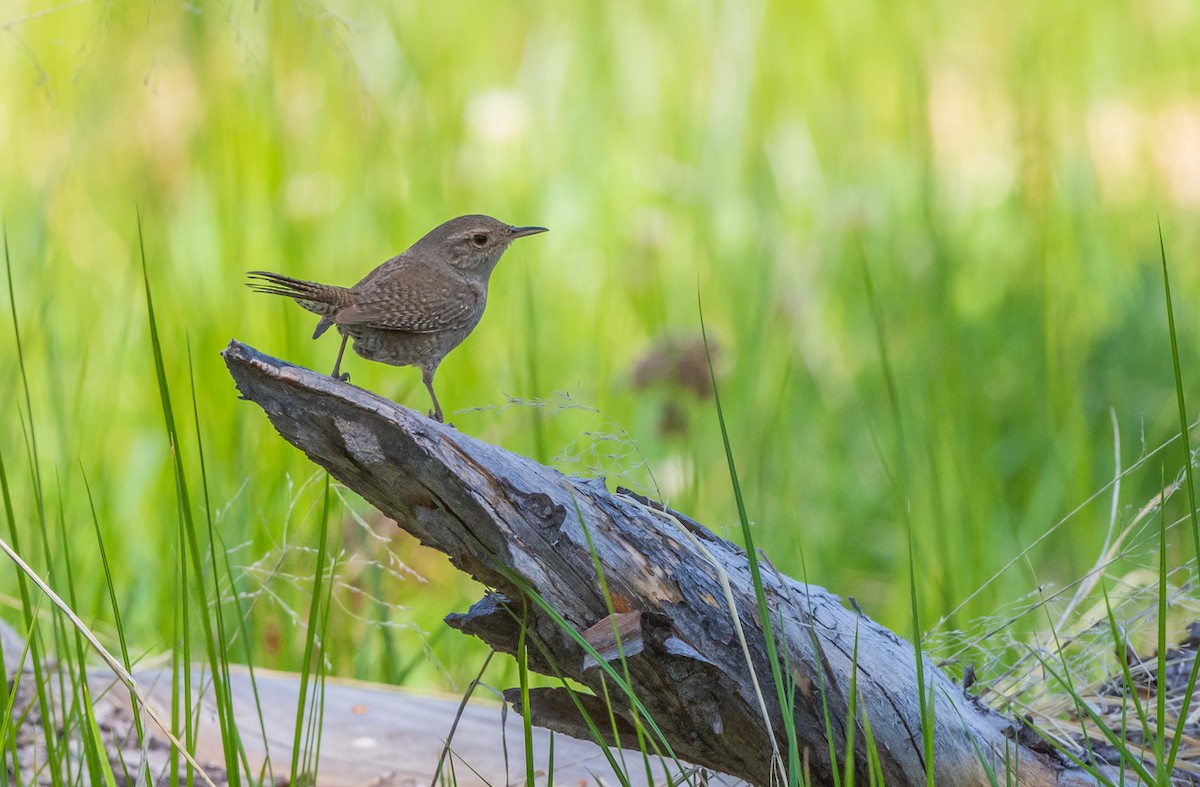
344	377
427	378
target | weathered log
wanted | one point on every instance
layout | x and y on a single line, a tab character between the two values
500	516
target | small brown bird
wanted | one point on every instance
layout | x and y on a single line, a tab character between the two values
417	306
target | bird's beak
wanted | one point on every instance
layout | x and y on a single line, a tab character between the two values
521	232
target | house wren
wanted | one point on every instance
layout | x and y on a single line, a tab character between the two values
417	306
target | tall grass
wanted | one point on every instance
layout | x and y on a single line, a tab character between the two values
1194	520
1000	179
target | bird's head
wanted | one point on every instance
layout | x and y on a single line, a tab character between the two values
473	244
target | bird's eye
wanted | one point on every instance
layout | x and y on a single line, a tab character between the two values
479	239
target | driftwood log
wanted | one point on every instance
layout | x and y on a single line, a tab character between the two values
506	520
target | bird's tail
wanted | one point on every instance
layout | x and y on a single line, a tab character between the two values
323	299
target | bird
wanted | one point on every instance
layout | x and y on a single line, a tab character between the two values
415	308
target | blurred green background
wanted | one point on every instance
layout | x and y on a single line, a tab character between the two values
999	171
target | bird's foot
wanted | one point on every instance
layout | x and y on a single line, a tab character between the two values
344	377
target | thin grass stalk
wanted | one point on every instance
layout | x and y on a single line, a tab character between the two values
110	585
822	689
310	636
316	717
1177	738
244	634
182	661
791	774
1060	650
988	769
1082	709
925	703
789	688
1120	646
102	772
53	755
1160	690
828	718
851	713
587	719
108	658
8	726
35	464
223	701
503	743
612	725
1092	576
874	766
462	707
89	732
189	544
523	676
735	617
64	717
529	592
607	596
179	629
11	693
1089	765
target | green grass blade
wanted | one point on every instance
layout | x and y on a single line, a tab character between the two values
874	764
77	657
54	755
529	592
901	478
1182	402
10	692
462	707
35	465
1081	705
851	714
240	615
614	727
1189	693
604	592
106	567
1162	767
189	543
224	703
1120	646
988	769
62	607
594	730
526	712
792	774
316	714
314	618
1083	708
101	769
115	608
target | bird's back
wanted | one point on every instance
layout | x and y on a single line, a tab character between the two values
414	294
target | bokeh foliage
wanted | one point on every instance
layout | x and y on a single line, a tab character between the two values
998	170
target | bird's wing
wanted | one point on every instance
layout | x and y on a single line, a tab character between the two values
402	295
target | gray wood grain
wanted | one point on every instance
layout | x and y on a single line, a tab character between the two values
499	515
